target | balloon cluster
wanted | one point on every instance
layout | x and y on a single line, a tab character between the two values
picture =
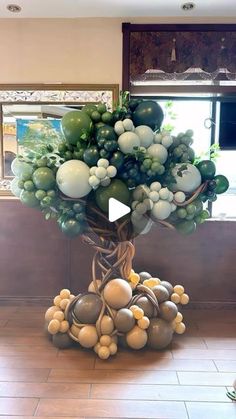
118	154
104	318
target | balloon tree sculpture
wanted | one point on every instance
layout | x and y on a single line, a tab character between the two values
126	155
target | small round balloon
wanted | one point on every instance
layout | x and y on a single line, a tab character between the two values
76	125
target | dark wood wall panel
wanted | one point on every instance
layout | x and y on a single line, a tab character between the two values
37	260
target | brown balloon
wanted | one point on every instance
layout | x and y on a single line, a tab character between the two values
146	306
161	293
124	320
168	286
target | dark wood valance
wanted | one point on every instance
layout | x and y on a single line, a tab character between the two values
173	49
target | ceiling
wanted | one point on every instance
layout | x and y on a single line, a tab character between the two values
117	8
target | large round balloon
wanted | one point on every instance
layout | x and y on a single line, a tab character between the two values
159	333
44	178
88	308
189	180
73	179
117	189
117	293
148	113
76	125
207	169
21	169
15	188
145	134
107	132
128	141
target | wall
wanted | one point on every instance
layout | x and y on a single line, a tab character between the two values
68	50
37	260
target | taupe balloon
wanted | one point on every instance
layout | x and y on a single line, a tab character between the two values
146	305
168	311
161	293
144	275
159	333
88	308
168	286
124	320
62	340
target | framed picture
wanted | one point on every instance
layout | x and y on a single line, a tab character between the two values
26	108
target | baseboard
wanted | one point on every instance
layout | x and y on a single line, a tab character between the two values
47	301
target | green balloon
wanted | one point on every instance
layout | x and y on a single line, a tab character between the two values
207	169
88	308
117	189
91	155
160	334
89	109
148	113
28	198
117	159
107	132
124	320
21	169
222	184
44	178
186	227
76	125
15	187
71	227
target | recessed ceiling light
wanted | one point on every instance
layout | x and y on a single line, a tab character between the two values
14	8
188	6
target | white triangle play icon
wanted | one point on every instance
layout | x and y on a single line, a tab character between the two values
116	209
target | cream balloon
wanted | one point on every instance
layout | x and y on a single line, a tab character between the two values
73	179
136	338
161	210
158	151
190	179
88	336
145	134
117	293
128	141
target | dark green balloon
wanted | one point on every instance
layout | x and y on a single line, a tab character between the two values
28	198
71	227
148	113
117	159
107	132
117	189
62	341
160	334
91	155
186	227
207	169
76	125
222	184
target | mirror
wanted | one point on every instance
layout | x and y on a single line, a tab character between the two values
26	111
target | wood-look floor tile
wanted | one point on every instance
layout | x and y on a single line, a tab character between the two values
25	340
3	322
117	363
211	410
217	329
45	390
226	366
110	408
19	350
27	322
221	343
158	392
22	331
17	406
229	354
37	375
47	361
206	378
113	376
188	342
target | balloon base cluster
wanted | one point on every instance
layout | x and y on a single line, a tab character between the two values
135	312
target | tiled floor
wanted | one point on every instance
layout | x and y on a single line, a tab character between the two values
189	380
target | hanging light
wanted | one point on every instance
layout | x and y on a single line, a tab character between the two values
188	6
14	8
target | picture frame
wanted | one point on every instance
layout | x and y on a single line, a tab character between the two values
41	101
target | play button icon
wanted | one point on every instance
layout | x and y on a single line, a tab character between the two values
117	210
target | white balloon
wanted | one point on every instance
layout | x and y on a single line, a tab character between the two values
155	186
161	210
158	151
73	179
157	138
21	169
128	124
15	188
119	128
128	141
145	134
164	193
180	197
167	141
190	179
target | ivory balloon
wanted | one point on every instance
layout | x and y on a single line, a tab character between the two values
117	293
145	134
158	151
136	338
88	336
15	188
128	141
190	179
73	179
161	210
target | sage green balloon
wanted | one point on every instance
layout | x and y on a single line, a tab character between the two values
144	275
146	306
88	308
15	188
124	320
62	341
161	293
168	311
160	334
29	199
168	286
